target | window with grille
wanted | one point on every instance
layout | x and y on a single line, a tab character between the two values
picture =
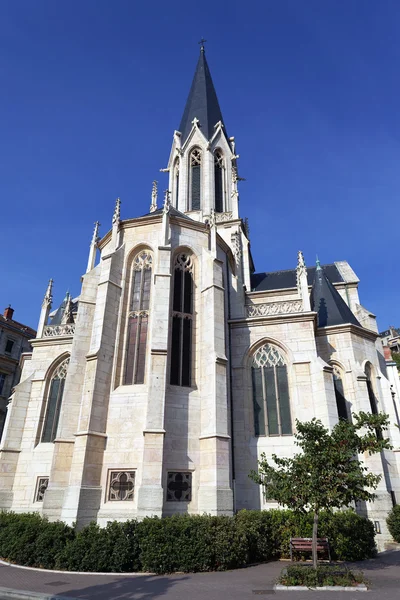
218	181
272	415
54	400
121	486
138	319
41	487
182	321
195	179
341	403
179	487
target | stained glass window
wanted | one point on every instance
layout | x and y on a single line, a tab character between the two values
182	320
195	179
218	181
138	319
54	400
271	402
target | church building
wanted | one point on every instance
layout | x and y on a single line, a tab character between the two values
157	389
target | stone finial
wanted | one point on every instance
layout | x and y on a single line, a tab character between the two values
195	122
167	201
48	297
154	194
67	315
300	269
95	236
117	211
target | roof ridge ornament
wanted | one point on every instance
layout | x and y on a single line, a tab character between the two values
154	195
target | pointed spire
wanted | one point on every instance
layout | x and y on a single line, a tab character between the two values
302	283
167	201
328	303
95	236
67	313
46	308
117	211
154	193
202	106
48	297
93	247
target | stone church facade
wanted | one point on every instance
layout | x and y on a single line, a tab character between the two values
157	389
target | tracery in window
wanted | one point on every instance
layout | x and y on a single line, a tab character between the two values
218	181
182	321
341	403
138	318
271	400
54	400
41	487
121	486
195	179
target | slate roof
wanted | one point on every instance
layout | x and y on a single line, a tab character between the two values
329	305
202	102
172	211
24	329
56	317
280	280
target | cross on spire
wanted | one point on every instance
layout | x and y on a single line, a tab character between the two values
202	42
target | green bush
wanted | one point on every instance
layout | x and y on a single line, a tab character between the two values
179	543
325	575
393	523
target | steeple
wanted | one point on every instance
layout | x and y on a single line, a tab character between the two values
328	303
202	102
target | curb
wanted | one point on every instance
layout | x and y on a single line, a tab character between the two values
10	594
37	570
326	588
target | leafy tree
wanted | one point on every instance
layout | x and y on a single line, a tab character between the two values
328	473
396	358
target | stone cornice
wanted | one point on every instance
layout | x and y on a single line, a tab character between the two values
347	328
276	319
61	340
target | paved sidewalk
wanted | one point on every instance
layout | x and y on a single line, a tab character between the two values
241	584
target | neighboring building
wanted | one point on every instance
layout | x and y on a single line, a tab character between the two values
157	390
391	338
14	341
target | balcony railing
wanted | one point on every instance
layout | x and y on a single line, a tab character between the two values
270	309
59	330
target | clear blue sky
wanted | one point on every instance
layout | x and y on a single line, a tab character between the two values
92	90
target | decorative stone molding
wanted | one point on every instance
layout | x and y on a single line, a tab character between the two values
274	308
59	330
224	216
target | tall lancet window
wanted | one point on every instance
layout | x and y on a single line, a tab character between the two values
54	400
138	318
270	392
182	321
219	181
175	184
195	179
372	398
341	403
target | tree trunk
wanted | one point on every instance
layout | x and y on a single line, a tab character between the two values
314	540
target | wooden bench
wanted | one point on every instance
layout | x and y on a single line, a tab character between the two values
305	545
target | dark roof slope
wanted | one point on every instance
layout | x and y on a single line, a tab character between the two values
172	211
329	305
280	280
16	325
202	102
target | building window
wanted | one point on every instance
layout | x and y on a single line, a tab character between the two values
270	392
179	487
341	403
9	346
195	179
219	181
138	319
182	321
2	382
372	399
122	486
175	184
54	400
41	487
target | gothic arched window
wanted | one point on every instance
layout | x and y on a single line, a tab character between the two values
175	184
270	392
54	400
341	403
138	318
372	398
219	181
182	320
195	179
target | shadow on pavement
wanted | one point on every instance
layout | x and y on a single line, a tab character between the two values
384	560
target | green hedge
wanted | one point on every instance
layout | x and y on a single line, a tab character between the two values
393	523
179	543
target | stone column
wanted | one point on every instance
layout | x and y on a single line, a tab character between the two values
150	492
